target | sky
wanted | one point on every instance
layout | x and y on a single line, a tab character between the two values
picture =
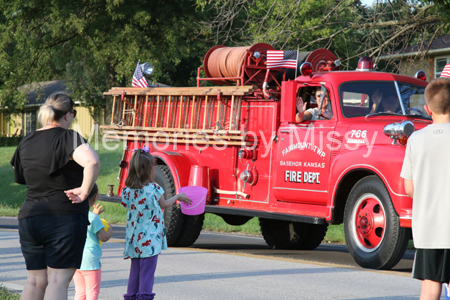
367	2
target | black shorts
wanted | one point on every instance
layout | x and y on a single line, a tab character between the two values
55	241
432	264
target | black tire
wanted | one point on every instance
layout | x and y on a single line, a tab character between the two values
282	234
173	217
372	227
316	234
190	231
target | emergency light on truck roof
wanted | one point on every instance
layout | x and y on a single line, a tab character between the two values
365	63
421	75
147	69
306	69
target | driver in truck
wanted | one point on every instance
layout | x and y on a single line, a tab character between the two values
315	113
390	104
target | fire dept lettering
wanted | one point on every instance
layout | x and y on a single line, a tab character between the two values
310	177
296	176
303	146
293	176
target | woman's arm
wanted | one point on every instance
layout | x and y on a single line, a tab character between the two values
86	157
169	202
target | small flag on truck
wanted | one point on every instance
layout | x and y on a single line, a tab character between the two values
446	71
138	77
282	59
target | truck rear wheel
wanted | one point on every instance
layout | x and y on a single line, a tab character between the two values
315	235
173	217
190	231
372	227
283	234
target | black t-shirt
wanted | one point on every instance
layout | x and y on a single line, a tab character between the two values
42	162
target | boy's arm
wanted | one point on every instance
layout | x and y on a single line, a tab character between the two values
409	187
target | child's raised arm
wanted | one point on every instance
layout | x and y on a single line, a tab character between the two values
169	202
98	209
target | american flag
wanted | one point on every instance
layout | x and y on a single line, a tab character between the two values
282	59
138	77
446	71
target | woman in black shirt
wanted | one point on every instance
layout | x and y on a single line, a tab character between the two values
59	169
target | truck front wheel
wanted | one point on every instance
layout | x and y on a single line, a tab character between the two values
371	225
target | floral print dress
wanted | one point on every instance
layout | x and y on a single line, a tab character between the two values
145	234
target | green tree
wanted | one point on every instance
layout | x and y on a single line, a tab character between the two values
95	44
346	27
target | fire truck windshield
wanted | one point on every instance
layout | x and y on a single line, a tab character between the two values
413	100
382	98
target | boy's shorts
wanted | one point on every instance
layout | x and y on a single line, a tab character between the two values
432	264
55	241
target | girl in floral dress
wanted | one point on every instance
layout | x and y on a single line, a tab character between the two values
145	232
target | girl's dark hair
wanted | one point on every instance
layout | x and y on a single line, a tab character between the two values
140	171
93	193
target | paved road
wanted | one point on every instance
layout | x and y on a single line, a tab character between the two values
326	253
189	273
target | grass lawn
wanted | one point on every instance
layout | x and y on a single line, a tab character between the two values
14	195
7	295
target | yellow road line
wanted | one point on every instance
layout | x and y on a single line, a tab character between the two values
7	229
300	261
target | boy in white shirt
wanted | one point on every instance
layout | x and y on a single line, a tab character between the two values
426	171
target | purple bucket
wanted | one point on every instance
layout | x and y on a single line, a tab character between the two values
198	196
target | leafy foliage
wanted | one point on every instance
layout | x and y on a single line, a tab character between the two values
346	27
95	44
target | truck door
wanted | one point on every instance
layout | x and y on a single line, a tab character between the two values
302	151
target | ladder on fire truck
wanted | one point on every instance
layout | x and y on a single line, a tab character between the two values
201	115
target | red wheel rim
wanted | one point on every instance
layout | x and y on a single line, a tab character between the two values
370	222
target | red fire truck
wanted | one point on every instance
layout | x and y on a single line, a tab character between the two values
237	133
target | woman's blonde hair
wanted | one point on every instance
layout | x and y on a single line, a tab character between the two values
140	171
55	107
